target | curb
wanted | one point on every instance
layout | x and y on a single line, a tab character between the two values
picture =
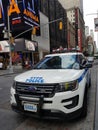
10	73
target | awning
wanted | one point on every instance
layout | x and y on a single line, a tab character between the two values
4	47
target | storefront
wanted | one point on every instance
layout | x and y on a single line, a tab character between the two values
25	52
30	55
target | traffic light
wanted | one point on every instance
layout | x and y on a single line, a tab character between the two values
60	25
34	31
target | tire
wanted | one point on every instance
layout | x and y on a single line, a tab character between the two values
84	107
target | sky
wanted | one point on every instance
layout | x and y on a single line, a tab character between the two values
90	7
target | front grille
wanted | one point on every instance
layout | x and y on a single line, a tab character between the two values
35	90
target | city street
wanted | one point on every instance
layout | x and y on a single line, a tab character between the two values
13	121
59	84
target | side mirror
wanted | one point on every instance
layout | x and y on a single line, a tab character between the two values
87	65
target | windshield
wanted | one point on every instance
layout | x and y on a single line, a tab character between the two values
57	62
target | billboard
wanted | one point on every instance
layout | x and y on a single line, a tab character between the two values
96	24
23	14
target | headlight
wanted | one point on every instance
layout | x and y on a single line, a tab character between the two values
67	86
14	84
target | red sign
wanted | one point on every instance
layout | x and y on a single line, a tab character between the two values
80	39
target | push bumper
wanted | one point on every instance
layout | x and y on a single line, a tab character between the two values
47	113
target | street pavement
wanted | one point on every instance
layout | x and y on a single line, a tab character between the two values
16	69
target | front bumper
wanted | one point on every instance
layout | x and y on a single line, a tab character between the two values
65	105
47	114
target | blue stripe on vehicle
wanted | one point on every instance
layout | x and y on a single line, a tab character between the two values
82	76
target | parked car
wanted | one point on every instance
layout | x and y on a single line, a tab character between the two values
90	59
56	87
95	56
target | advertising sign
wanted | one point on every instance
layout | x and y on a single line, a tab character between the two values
2	16
96	24
31	45
23	14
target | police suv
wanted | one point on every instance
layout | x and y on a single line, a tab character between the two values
55	88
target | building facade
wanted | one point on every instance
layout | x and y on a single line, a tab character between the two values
70	35
74	10
54	11
44	39
67	4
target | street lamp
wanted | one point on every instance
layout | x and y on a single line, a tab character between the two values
9	37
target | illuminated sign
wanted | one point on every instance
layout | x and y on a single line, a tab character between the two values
30	12
23	14
2	18
15	15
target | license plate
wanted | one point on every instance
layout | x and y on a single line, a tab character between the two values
30	107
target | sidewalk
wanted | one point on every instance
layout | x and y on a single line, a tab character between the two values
16	69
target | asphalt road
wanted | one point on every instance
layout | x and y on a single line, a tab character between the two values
10	120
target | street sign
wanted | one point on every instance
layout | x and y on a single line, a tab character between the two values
96	24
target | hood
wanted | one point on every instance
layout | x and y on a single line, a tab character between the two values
49	76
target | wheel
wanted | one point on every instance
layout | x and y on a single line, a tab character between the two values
84	107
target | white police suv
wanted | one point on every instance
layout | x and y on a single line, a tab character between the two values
55	88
